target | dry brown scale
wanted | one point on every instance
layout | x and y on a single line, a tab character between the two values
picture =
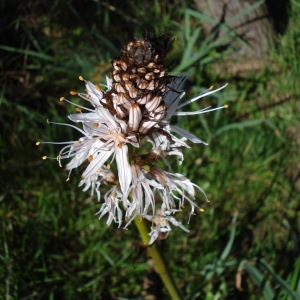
139	83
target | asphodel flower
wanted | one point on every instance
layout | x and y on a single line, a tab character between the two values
127	136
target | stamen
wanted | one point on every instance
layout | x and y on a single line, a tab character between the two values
201	111
81	78
70	125
73	93
57	143
44	157
61	98
80	106
201	95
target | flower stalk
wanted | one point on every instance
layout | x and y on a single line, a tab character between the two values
159	260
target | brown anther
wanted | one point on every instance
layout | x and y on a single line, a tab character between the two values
117	78
149	76
123	65
126	76
119	88
142	70
116	65
143	84
134	78
162	73
151	65
151	85
144	99
128	85
133	92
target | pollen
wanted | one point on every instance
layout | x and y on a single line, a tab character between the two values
73	93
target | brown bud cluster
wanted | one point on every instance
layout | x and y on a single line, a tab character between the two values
139	83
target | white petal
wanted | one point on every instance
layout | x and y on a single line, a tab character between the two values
191	137
97	163
124	170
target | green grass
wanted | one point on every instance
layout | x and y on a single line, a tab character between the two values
52	245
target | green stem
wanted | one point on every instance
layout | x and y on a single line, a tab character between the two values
159	261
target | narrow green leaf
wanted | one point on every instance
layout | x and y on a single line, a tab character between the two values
27	52
258	278
230	242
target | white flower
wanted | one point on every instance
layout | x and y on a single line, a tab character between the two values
111	206
171	99
137	107
103	136
161	227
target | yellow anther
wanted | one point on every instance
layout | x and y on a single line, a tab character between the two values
44	157
78	109
48	122
96	125
73	93
67	179
62	98
226	106
81	78
108	166
201	209
37	143
90	158
212	87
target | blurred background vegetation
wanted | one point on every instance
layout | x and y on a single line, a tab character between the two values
246	243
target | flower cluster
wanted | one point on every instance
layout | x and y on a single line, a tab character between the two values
127	138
